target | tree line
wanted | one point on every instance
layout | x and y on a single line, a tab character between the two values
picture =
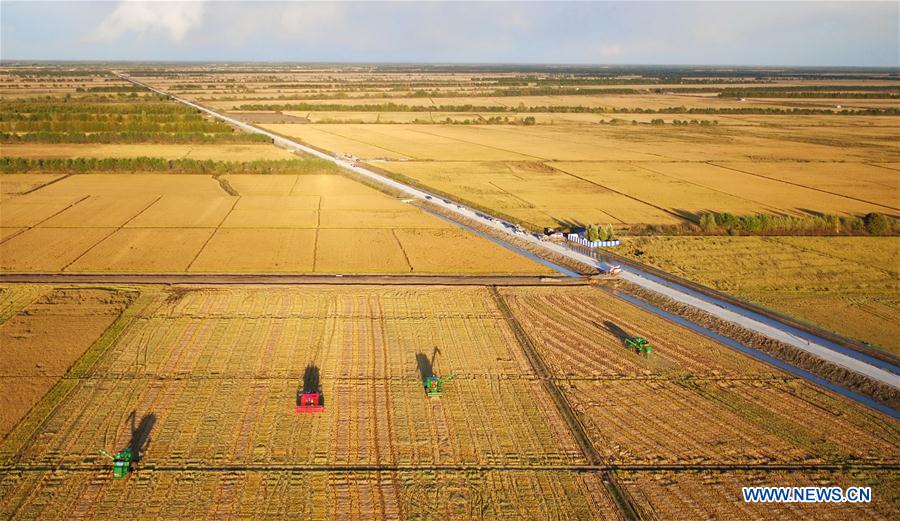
60	106
132	137
203	126
395	107
725	223
11	165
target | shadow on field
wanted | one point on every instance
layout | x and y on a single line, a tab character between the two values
424	364
616	330
311	383
570	226
140	435
687	215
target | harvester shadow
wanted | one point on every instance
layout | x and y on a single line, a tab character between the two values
687	215
311	383
615	329
425	369
564	225
140	435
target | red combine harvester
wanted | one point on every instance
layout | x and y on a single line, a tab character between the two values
309	403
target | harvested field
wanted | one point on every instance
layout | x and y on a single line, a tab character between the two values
845	284
314	495
557	193
580	332
726	422
714	495
44	338
211	374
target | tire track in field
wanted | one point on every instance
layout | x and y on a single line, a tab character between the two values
679	179
401	154
539	158
839	259
42	221
633	198
619	495
803	186
382	435
402	250
35	189
118	229
213	234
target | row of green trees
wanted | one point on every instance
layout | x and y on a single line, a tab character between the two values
199	125
112	88
132	137
812	91
60	106
10	165
120	117
765	224
396	107
818	94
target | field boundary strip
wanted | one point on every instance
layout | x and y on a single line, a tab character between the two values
620	497
214	279
353	468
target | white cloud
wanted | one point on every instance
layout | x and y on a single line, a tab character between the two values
609	50
173	19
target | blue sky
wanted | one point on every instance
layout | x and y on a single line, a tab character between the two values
633	32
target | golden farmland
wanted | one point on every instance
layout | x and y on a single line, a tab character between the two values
164	223
550	416
546	176
214	372
845	284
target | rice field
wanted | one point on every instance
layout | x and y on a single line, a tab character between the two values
210	376
549	415
168	223
845	284
553	175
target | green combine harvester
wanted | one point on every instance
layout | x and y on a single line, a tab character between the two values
434	386
639	345
121	462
